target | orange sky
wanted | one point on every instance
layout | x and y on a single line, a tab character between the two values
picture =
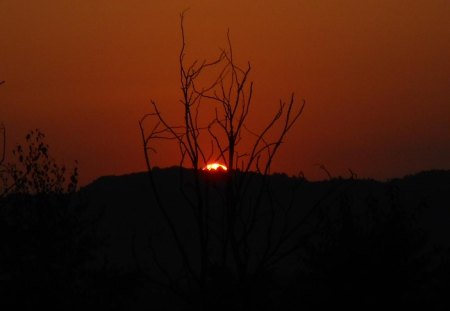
375	75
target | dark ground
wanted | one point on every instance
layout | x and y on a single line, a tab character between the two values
364	245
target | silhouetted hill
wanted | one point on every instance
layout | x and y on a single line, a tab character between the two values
354	243
129	206
358	244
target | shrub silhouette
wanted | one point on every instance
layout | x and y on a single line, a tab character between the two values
48	243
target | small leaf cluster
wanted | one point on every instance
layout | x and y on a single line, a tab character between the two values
35	171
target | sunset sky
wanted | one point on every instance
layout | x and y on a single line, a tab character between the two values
375	75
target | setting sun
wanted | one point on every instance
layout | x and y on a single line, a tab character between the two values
215	167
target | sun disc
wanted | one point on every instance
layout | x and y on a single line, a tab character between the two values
215	167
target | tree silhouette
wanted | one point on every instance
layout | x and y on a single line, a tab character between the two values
48	239
233	208
34	171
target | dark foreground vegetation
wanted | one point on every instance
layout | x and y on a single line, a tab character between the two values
360	244
49	244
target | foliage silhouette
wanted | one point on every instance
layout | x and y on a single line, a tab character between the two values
48	240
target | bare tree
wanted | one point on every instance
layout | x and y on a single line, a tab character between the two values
225	229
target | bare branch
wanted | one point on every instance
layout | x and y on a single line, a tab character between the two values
237	212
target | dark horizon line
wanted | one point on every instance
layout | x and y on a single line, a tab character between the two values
352	175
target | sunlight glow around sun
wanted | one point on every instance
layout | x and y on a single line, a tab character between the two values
215	167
